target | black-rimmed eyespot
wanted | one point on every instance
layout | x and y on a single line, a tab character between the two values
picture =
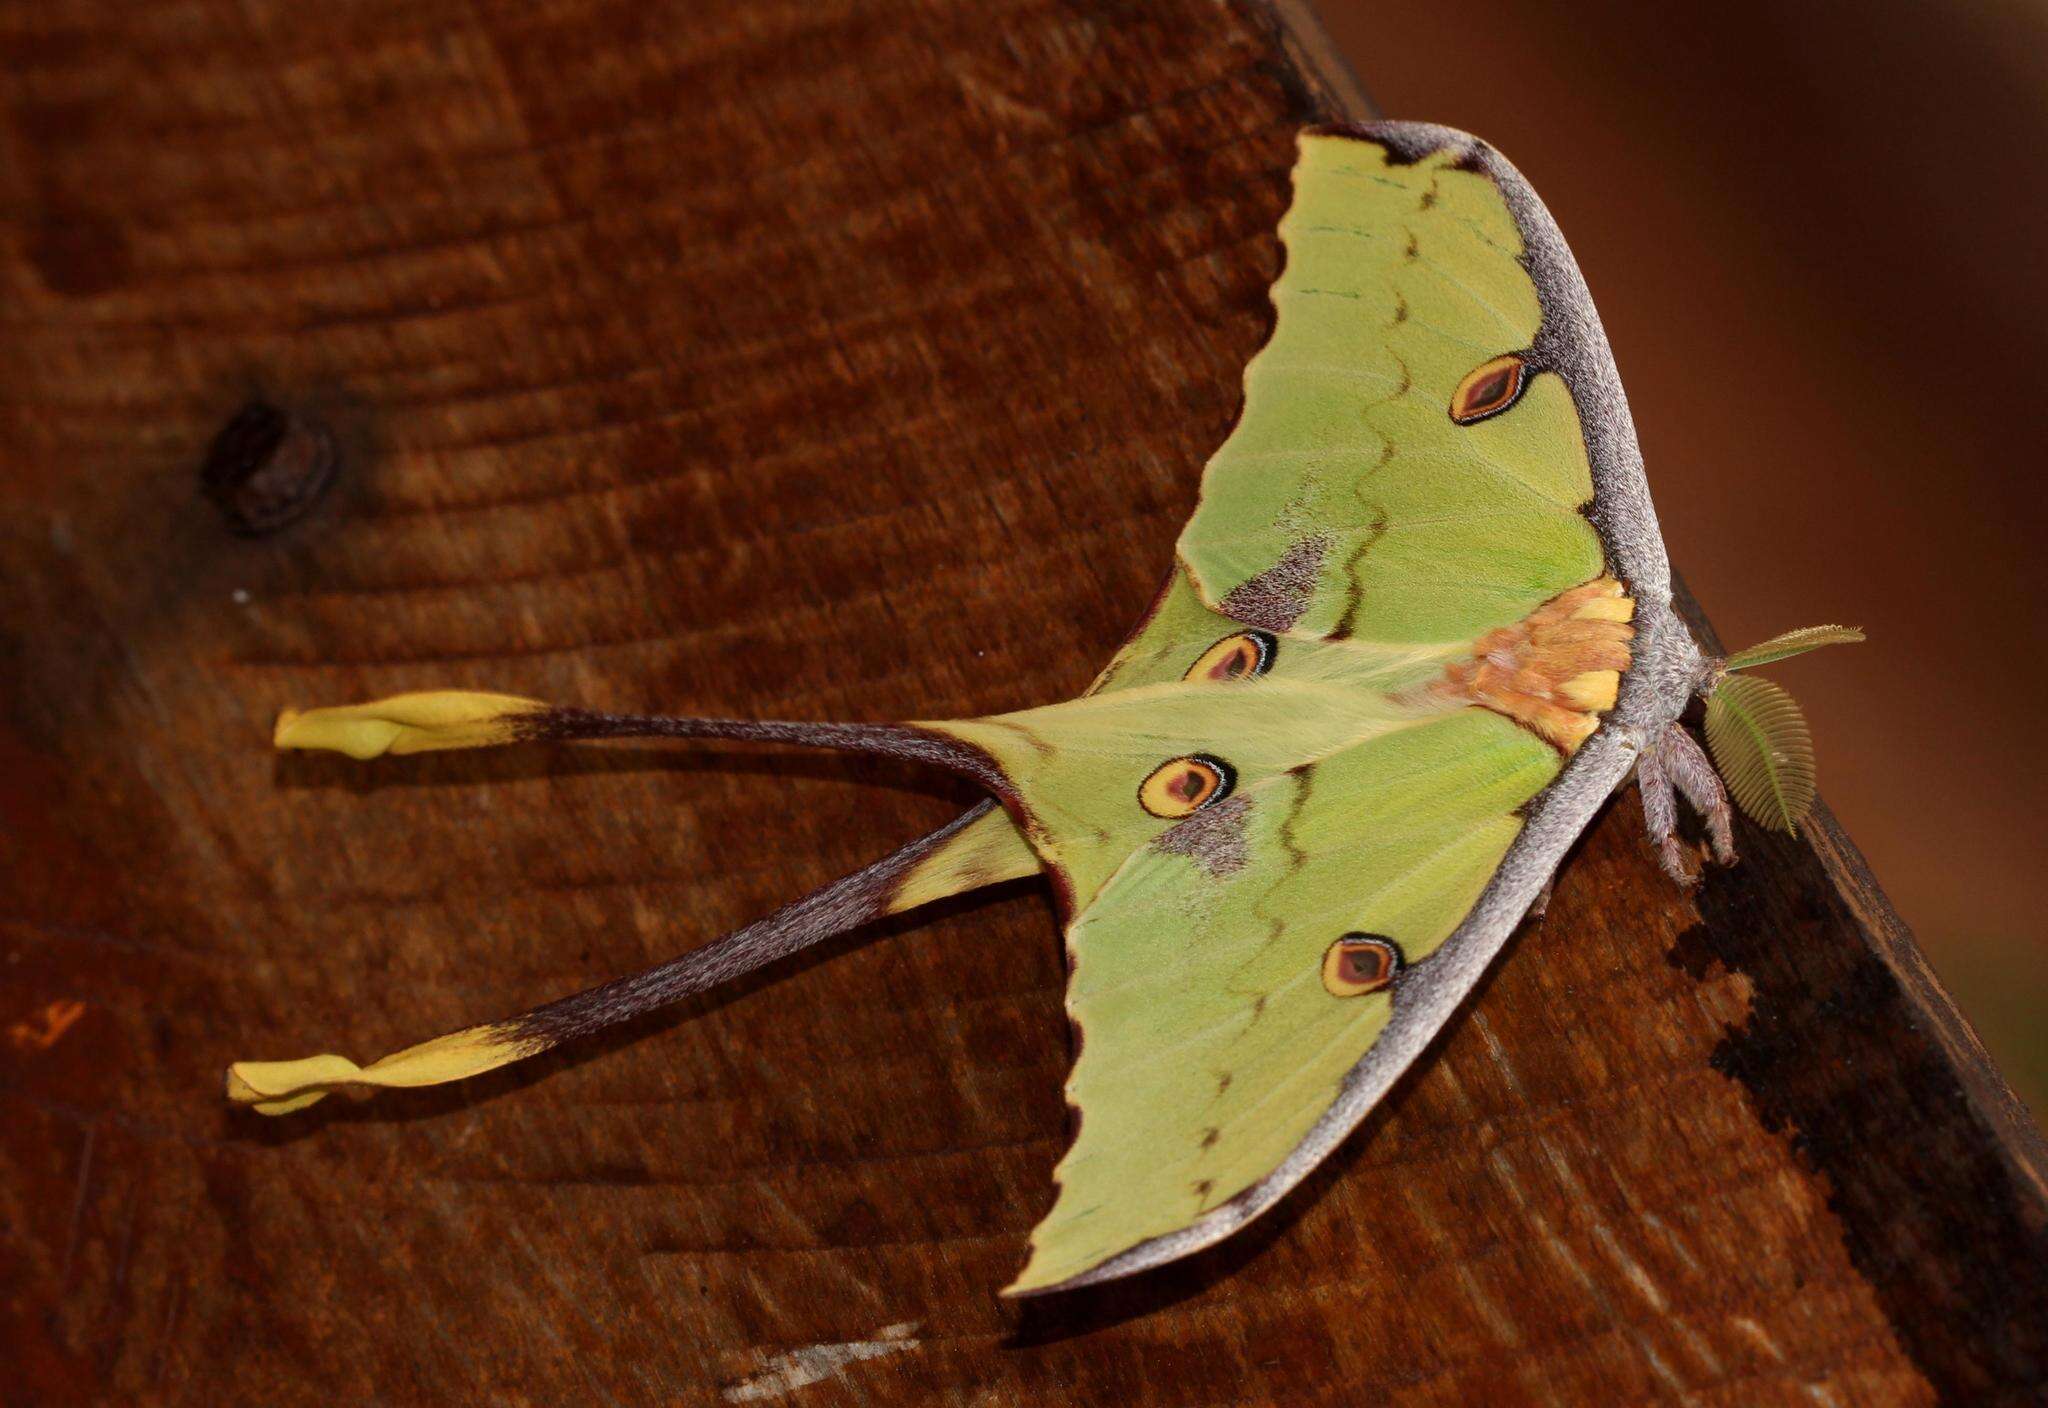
1242	656
1488	389
1361	963
1181	787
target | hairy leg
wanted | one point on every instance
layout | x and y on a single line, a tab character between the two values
1688	767
1660	813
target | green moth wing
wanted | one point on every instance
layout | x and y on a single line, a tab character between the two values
1358	497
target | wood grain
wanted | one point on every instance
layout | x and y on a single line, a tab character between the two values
810	360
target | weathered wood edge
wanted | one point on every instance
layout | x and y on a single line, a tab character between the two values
2019	1136
2019	1139
1324	75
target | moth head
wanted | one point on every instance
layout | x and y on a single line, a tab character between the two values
1761	745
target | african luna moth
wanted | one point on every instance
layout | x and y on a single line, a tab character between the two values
1416	632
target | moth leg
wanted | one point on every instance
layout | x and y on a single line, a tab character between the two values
1660	812
1687	765
1541	904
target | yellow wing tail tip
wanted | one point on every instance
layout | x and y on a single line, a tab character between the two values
242	1093
407	723
279	1087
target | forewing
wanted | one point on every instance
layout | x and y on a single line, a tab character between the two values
1349	502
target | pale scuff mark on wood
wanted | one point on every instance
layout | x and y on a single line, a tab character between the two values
1499	1053
1673	1241
1603	1233
1633	1270
1757	1335
1560	1248
791	1370
1488	1308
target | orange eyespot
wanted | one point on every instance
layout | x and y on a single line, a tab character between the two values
1488	389
1361	963
1183	786
1244	656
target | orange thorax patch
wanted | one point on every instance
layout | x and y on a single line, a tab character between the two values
1555	671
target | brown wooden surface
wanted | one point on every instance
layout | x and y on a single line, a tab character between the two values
811	360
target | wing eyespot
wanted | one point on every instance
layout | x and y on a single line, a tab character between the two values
1361	963
1489	388
1180	787
1243	656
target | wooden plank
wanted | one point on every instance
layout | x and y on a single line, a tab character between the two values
813	360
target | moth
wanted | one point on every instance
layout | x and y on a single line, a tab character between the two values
1417	631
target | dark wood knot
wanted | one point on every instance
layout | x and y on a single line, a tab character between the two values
267	467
